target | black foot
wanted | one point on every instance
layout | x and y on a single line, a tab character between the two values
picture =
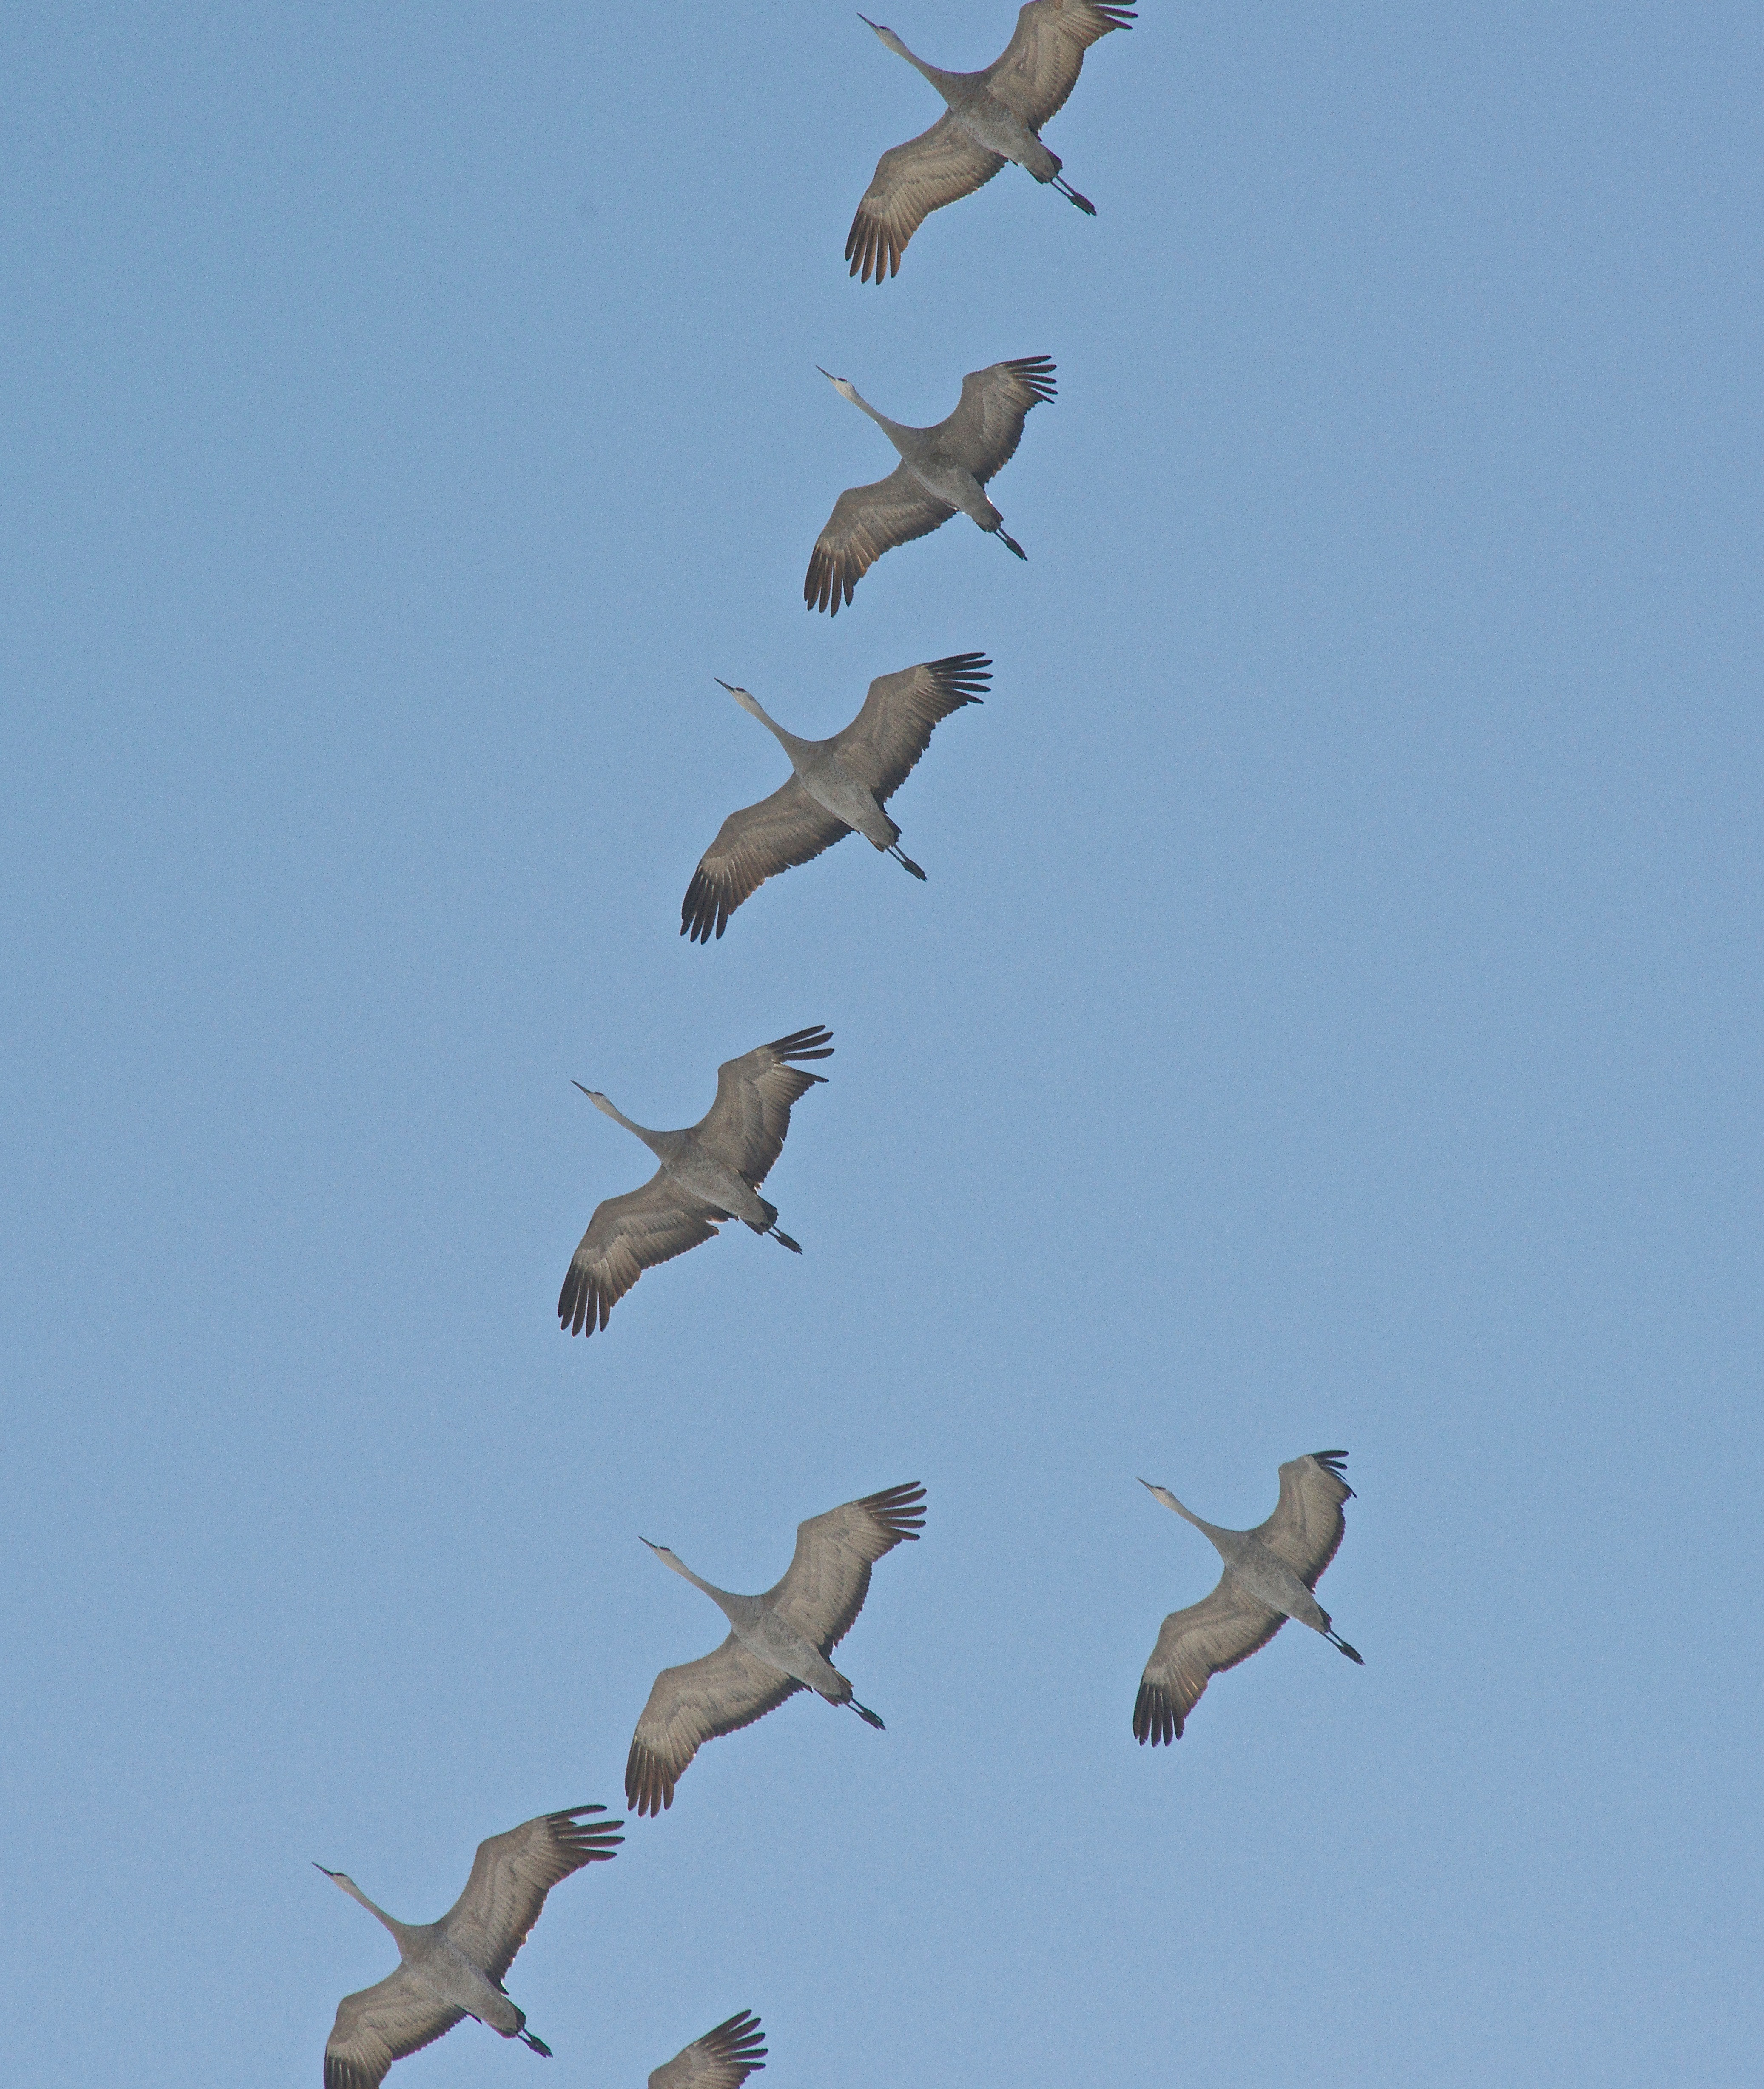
1011	544
869	1717
538	2044
1071	195
907	863
784	1240
1352	1653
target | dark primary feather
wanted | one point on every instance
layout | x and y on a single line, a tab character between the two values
882	744
987	425
824	1588
380	2024
866	521
745	1126
719	1693
722	2059
626	1236
911	181
513	1873
757	842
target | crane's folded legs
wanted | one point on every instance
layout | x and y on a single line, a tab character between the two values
865	1713
1010	543
1071	195
905	862
784	1240
538	2044
1352	1653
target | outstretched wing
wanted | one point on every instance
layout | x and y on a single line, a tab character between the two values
744	1127
1306	1528
626	1236
866	521
829	1576
987	425
752	845
513	1873
1041	64
722	2059
882	743
379	2025
911	181
1194	1645
694	1703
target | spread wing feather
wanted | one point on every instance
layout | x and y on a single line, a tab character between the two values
752	845
513	1873
1306	1528
828	1578
1193	1646
1040	66
882	744
745	1126
987	425
380	2024
722	2059
866	521
626	1236
911	181
693	1703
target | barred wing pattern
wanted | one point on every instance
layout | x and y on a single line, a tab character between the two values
722	2059
1041	62
911	181
380	2024
694	1703
757	842
513	1873
866	521
882	744
1306	1528
626	1236
745	1126
987	425
1194	1645
828	1578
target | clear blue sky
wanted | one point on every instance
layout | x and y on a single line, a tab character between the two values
1332	1018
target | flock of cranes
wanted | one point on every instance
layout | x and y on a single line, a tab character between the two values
782	1642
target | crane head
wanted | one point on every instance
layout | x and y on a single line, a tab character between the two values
744	697
1159	1494
887	35
668	1558
843	385
600	1103
340	1879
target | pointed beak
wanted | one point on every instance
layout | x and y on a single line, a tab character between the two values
643	1540
866	21
1149	1488
722	685
589	1092
318	1866
828	375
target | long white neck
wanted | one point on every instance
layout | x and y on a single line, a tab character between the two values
402	1931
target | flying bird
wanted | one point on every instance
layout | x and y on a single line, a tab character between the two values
710	1172
839	787
940	469
454	1968
722	2059
993	115
1269	1574
778	1643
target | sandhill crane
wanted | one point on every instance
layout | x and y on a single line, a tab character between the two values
993	115
710	1172
454	1968
839	787
940	469
1269	1574
722	2059
778	1643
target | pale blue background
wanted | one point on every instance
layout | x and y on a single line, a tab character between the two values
1332	1018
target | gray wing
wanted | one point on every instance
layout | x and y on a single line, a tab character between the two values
744	1127
911	181
1041	64
1306	1528
882	743
513	1873
866	521
987	425
694	1703
722	2059
752	845
1194	1645
626	1236
379	2025
829	1577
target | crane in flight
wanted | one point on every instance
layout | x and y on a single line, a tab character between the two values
454	1968
1269	1574
838	786
710	1172
942	469
993	116
778	1643
722	2059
